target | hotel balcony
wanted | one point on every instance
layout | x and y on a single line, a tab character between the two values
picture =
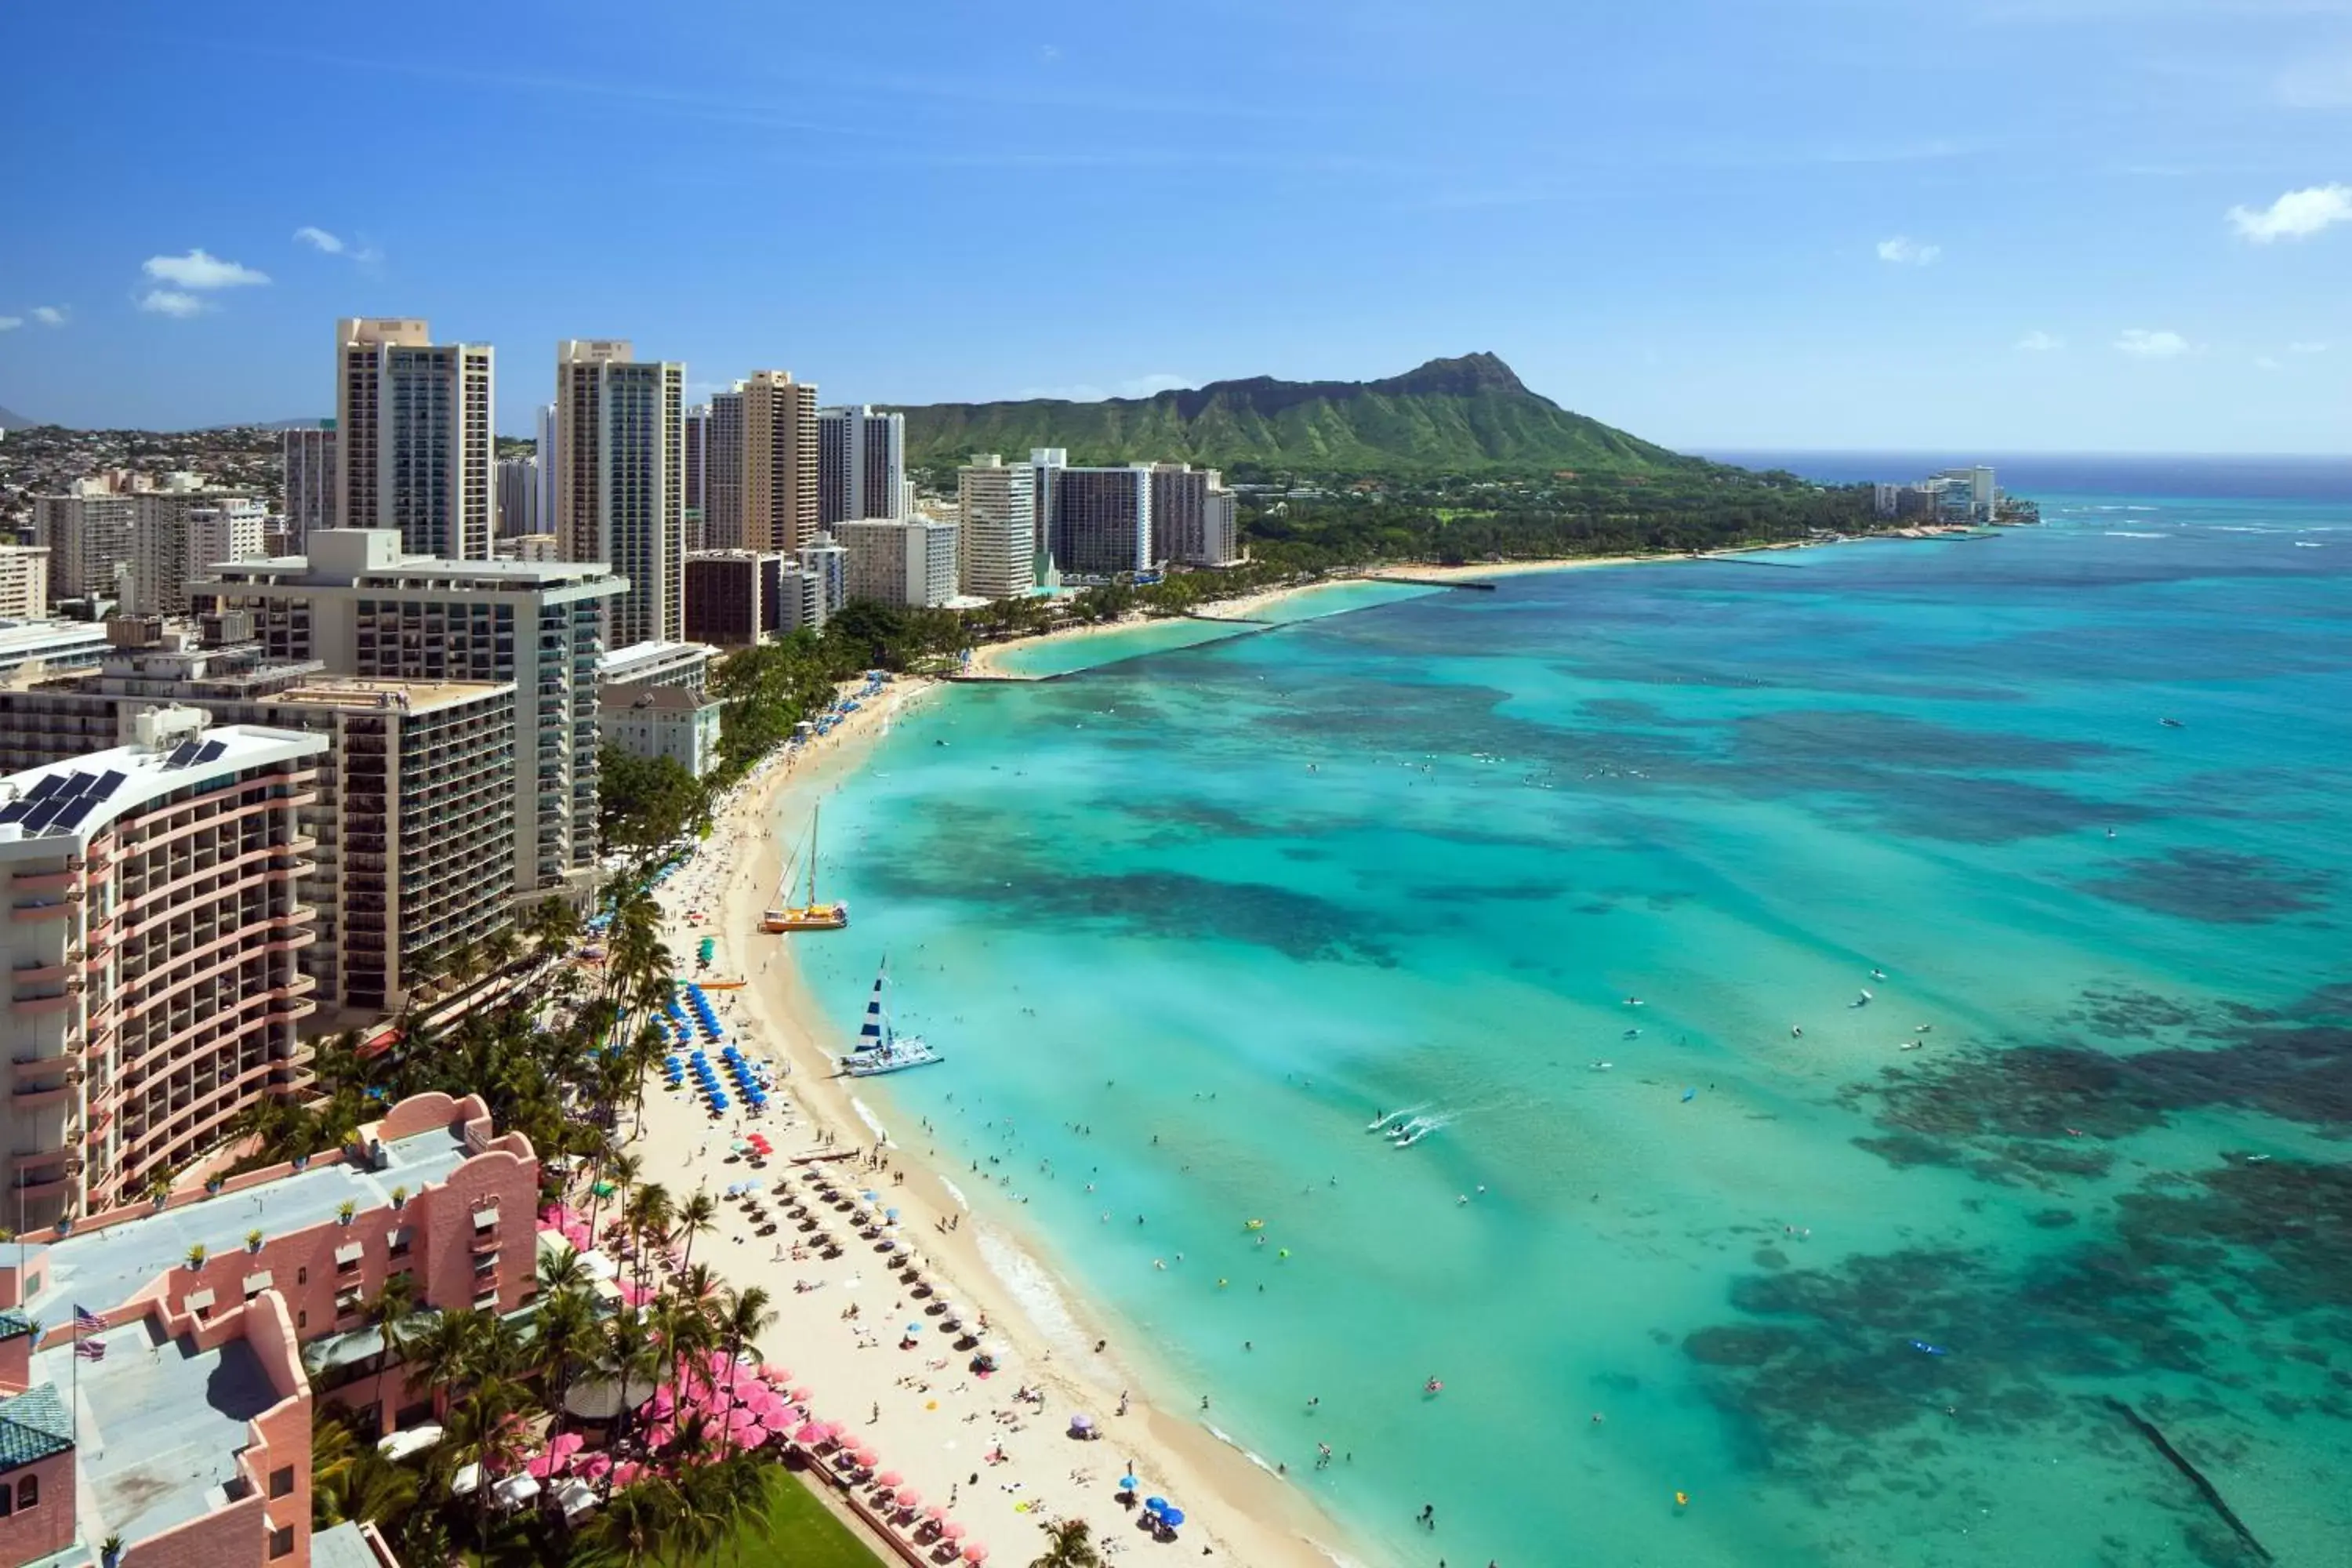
55	911
31	1097
44	881
31	1188
39	1007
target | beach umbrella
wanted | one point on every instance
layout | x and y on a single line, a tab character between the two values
908	1498
1154	1504
566	1445
863	1457
953	1531
596	1466
740	1423
1082	1423
1127	1483
1171	1517
774	1373
540	1467
626	1473
800	1396
914	1328
810	1431
975	1553
889	1478
937	1513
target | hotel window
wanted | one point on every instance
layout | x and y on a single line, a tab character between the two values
281	1541
29	1493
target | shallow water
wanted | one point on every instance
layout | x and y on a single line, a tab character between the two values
1186	920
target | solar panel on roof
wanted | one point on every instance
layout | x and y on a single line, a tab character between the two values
13	810
43	790
182	754
40	819
108	782
71	817
213	750
75	784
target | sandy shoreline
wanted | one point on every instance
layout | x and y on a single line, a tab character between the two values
933	1422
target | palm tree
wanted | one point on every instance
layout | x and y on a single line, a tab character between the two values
565	1327
350	1480
699	1215
484	1429
1069	1544
446	1353
743	1316
634	1529
391	1312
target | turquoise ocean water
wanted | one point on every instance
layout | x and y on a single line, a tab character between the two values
1185	922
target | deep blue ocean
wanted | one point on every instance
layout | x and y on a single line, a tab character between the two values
1857	1276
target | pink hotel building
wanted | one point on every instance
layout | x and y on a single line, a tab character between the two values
150	933
189	1438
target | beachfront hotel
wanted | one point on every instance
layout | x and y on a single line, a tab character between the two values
1101	520
996	503
151	928
361	606
414	796
188	1435
861	465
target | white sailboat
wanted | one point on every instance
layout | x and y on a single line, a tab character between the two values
880	1048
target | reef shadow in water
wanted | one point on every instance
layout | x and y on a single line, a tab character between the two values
2216	886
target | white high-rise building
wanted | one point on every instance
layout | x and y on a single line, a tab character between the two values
861	465
24	582
997	530
550	454
414	448
309	455
89	536
621	494
178	535
519	492
909	564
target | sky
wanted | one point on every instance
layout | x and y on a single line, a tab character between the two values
2013	225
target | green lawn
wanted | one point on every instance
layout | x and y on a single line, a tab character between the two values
802	1532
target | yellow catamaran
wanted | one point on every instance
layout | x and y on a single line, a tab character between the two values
808	915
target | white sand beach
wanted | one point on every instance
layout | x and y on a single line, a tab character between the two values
1001	1465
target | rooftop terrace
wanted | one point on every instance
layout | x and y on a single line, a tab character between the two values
101	1268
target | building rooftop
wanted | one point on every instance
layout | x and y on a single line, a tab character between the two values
657	698
343	1547
162	1424
34	1424
77	798
409	696
101	1268
38	639
371	558
638	658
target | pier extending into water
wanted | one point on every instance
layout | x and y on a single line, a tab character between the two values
1433	582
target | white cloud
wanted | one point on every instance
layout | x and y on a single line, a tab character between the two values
172	302
198	269
320	238
1905	251
2298	214
10	323
2306	348
50	315
2147	344
2040	343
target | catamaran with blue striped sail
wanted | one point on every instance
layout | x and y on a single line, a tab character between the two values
880	1048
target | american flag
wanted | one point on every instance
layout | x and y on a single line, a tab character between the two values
86	1319
90	1350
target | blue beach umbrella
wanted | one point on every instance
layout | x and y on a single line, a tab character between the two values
1128	1483
1171	1517
1154	1504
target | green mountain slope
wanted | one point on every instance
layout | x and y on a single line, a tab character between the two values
1451	414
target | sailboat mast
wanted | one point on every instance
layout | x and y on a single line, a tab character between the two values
814	818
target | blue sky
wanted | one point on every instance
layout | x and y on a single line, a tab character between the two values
2005	224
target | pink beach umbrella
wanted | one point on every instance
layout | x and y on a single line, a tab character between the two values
661	1407
740	1423
953	1530
540	1467
937	1513
628	1472
566	1445
863	1457
975	1553
810	1432
800	1396
889	1478
774	1373
595	1467
908	1498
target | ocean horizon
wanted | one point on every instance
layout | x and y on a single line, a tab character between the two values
1859	1038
